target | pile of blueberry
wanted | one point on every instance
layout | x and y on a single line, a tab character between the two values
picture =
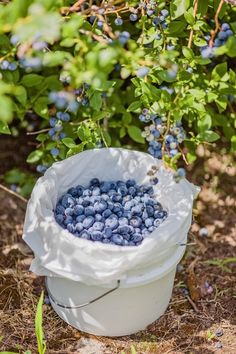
156	134
222	36
119	213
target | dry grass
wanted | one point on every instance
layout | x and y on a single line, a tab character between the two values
190	322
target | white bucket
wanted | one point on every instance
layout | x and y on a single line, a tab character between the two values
140	300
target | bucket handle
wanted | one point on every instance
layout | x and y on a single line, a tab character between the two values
81	305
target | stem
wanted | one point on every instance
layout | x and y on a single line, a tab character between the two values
38	132
13	193
214	32
168	123
195	7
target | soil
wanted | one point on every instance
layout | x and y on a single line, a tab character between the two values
203	304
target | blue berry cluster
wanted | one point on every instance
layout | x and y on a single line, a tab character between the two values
222	36
156	134
64	100
119	213
7	65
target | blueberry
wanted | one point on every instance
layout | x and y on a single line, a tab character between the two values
96	236
51	132
229	33
107	232
59	218
117	239
12	66
150	12
52	121
156	21
123	229
69	211
80	218
95	182
149	222
41	168
225	27
85	203
85	234
79	190
87	193
54	152
67	201
117	207
106	213
222	35
137	238
116	197
128	205
106	240
132	191
137	210
124	37
60	209
98	226
112	222
71	228
123	221
78	210
150	210
68	220
118	21
88	222
157	222
89	211
133	17
181	172
96	191
104	187
79	226
164	12
142	72
65	117
99	207
135	221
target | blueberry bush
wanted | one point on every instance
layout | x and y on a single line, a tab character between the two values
155	76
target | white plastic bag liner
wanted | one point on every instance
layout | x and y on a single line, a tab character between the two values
59	253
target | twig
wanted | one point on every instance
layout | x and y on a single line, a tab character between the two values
192	303
195	7
95	36
38	132
13	193
214	32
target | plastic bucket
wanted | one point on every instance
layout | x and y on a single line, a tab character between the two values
127	307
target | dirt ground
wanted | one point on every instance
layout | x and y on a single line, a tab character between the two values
201	318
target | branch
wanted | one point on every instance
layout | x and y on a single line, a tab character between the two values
214	32
13	193
195	7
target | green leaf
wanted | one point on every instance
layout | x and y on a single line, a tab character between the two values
31	80
135	134
134	107
4	129
233	143
188	53
230	46
127	118
41	107
176	27
95	100
202	7
178	7
21	95
189	17
208	136
69	142
219	71
38	326
34	156
6	113
204	123
84	132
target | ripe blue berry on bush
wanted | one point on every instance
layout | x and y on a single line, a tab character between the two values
122	213
148	75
